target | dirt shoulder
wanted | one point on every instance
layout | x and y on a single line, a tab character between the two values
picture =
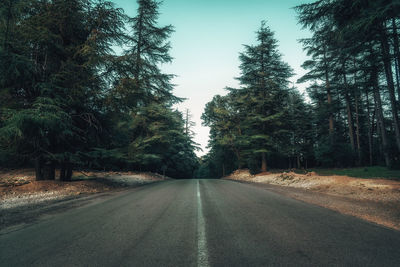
375	200
23	200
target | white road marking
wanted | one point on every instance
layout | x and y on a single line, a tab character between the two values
202	252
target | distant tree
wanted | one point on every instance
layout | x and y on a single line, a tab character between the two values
301	131
161	143
225	120
189	124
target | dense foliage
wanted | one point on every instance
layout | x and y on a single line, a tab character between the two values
81	87
354	75
353	86
69	100
262	123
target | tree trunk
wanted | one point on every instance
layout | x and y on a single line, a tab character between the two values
358	130
370	130
298	162
357	110
49	171
390	85
381	120
62	171
238	157
66	171
380	146
7	32
397	55
38	169
68	175
263	162
349	115
329	99
396	66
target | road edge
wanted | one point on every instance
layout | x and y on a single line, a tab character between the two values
382	209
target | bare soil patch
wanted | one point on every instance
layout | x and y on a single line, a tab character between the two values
18	187
375	200
22	199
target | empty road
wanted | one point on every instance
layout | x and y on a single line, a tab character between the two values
200	223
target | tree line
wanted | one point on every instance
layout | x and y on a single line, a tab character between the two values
350	115
81	87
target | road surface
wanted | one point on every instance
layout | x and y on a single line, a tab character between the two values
200	223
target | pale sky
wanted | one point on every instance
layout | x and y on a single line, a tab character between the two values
209	34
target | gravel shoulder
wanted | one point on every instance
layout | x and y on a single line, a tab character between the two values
374	200
24	200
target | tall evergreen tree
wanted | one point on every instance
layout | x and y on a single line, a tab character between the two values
360	42
264	76
56	55
142	80
251	123
144	92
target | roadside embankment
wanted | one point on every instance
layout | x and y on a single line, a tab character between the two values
22	198
375	200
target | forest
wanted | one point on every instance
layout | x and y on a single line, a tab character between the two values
349	115
81	87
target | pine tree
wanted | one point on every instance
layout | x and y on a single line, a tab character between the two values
264	76
148	48
224	117
161	143
56	54
157	134
301	131
252	122
86	105
353	31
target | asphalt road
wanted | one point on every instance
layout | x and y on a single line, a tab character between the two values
200	223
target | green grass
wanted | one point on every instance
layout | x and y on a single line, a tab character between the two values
362	172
